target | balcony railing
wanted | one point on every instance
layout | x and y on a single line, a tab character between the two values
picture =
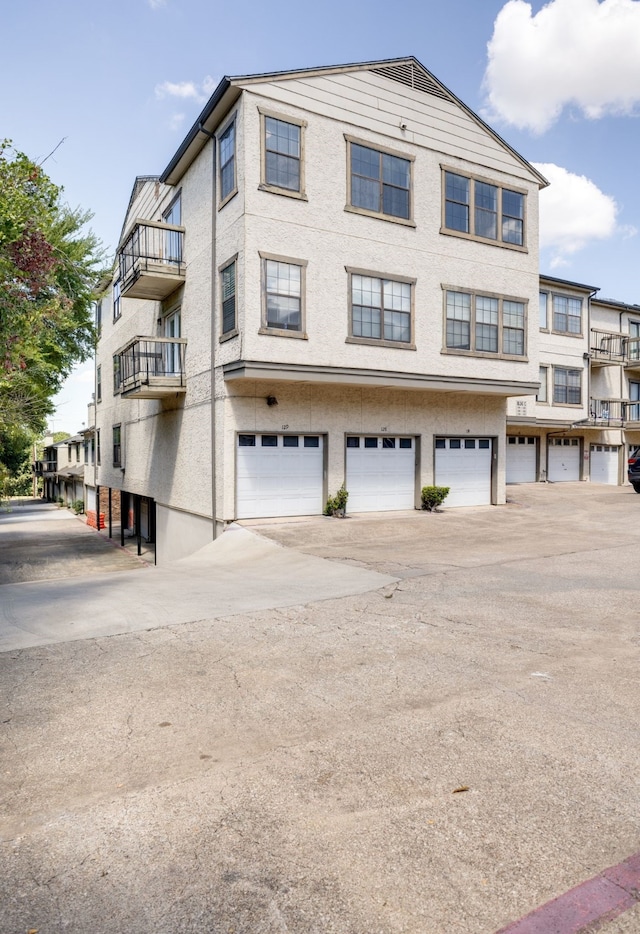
42	467
608	347
152	367
608	413
151	264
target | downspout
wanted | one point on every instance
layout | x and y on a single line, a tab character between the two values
214	275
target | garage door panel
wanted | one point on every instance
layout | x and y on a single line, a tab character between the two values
564	460
605	459
521	459
277	481
380	478
466	470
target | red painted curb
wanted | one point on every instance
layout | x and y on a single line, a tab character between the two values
607	895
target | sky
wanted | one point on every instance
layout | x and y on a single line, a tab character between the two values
115	87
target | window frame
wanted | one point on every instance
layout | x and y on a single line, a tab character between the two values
232	332
265	185
567	370
117	374
99	383
97	448
231	123
117	445
498	354
380	341
117	300
383	151
471	206
551	325
265	257
544	381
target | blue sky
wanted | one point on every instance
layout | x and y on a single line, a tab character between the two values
122	82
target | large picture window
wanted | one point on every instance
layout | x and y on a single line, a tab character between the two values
379	182
482	324
480	209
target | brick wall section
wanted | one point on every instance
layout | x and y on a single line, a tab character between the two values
115	504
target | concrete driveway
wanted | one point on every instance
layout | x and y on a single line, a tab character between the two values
439	755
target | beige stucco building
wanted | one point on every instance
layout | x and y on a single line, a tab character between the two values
334	281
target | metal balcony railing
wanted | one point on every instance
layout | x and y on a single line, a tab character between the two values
151	260
152	367
608	347
42	467
613	413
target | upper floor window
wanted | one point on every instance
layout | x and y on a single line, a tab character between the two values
228	289
483	210
379	182
227	157
544	317
381	309
172	238
567	314
99	384
283	295
485	324
567	386
282	155
117	300
117	374
98	317
542	395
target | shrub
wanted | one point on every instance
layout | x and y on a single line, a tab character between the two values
78	506
434	496
337	505
60	501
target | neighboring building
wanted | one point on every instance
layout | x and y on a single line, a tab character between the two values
335	280
586	414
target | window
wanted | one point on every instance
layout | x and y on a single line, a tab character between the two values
282	159
98	317
379	182
172	238
117	298
86	450
381	309
99	384
567	386
544	319
283	291
98	457
227	156
633	410
77	453
481	209
117	374
567	314
634	343
117	446
543	392
484	324
228	291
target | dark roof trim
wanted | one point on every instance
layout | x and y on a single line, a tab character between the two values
196	131
625	306
573	285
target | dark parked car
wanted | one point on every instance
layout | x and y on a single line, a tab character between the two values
633	469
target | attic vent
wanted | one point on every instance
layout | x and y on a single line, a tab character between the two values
413	77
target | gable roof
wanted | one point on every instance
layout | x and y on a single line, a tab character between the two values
408	71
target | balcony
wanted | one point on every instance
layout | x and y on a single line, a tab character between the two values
607	413
40	468
607	348
150	261
152	367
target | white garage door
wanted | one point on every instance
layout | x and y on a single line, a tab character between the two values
278	475
464	465
564	459
380	473
521	460
604	463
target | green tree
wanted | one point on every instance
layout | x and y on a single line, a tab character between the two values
49	268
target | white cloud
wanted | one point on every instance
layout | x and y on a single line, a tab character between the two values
187	90
583	53
176	121
573	213
157	4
